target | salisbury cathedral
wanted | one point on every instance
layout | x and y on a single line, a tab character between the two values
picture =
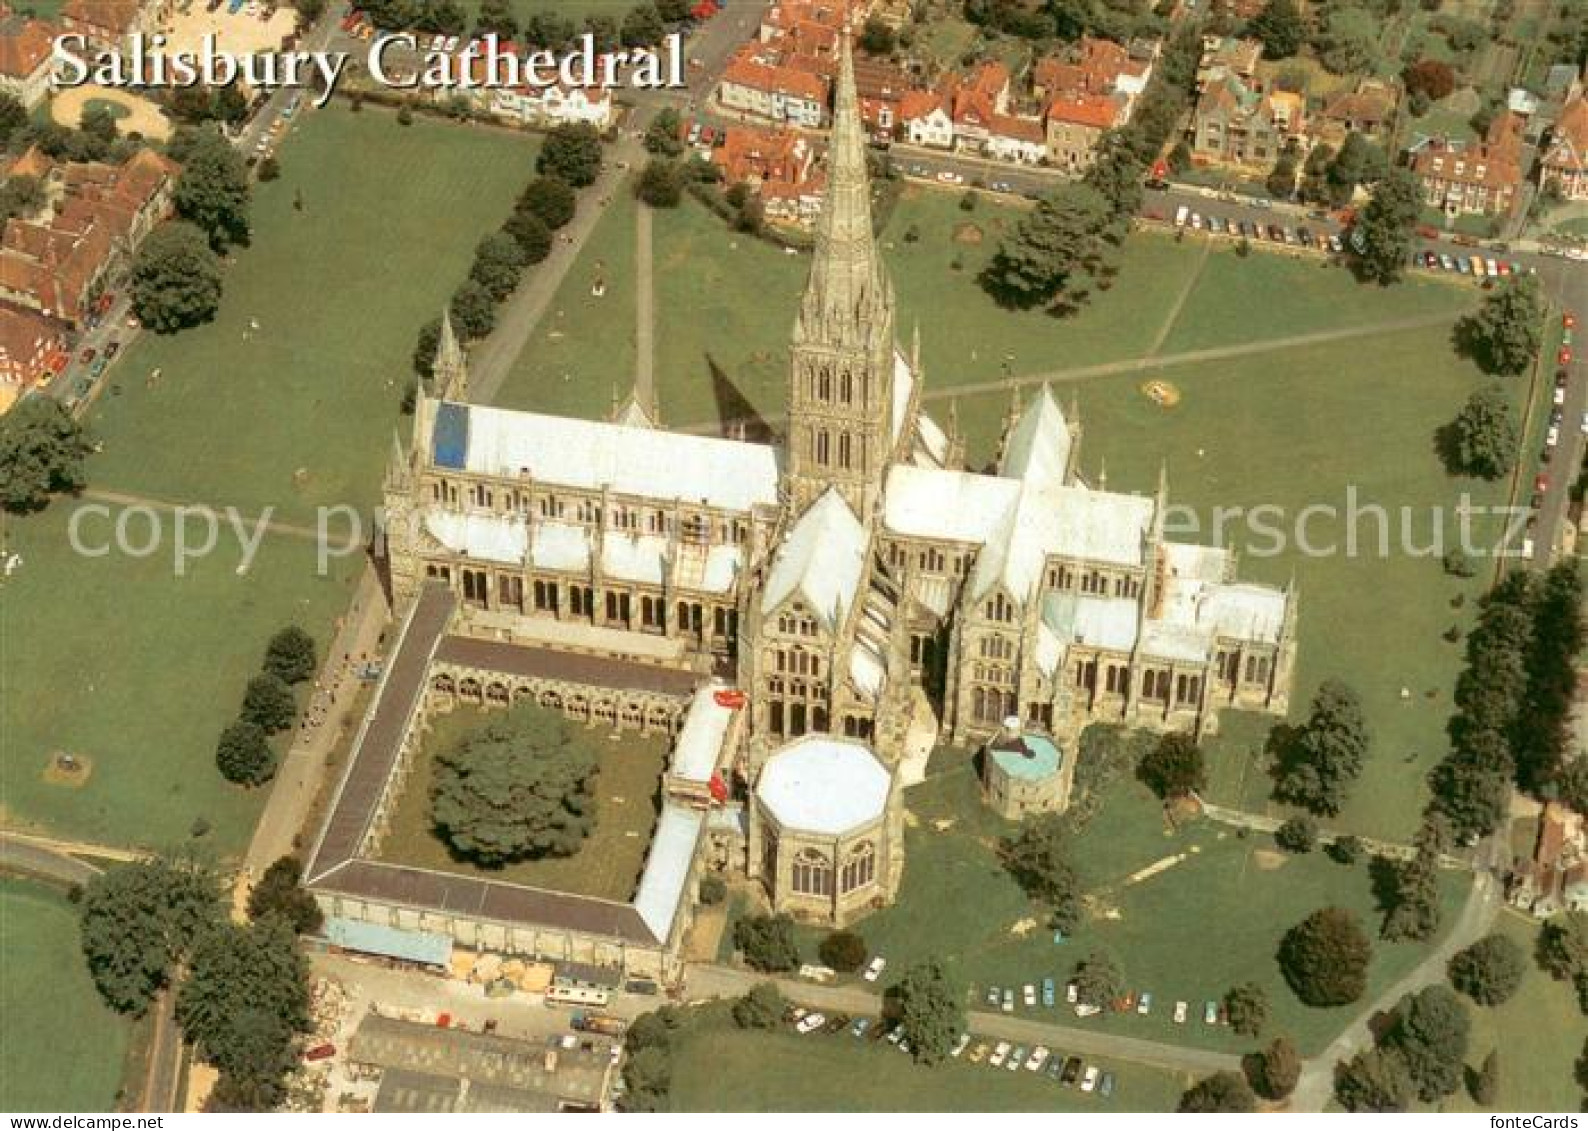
857	584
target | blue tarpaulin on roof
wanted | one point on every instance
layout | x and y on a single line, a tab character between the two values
392	942
452	436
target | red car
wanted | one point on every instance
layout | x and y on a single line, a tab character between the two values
1565	356
1541	484
87	356
1569	321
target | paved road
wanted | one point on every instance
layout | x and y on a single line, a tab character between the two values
1316	1088
34	858
704	981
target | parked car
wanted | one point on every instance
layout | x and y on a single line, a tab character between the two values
1055	1067
1017	1057
1180	1010
1008	1005
1084	1010
1072	1072
1447	263
1564	357
1585	424
1335	244
960	1045
1072	993
859	1025
1551	438
1210	1013
999	1054
1028	996
811	1022
874	968
979	1053
992	996
1541	483
87	355
1048	995
1089	1081
113	348
1105	1086
1144	1003
949	177
1039	1057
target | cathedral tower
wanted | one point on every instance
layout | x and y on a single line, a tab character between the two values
841	380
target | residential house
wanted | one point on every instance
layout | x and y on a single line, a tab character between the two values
777	164
882	88
552	105
1095	66
1075	122
925	119
1018	139
106	24
755	84
25	50
1236	123
1473	177
1225	57
1367	109
32	350
96	216
1555	878
1564	165
976	102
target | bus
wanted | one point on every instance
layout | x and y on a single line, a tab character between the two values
577	995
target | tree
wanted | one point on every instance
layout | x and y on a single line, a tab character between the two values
713	890
1038	859
1430	1029
1490	970
1504	334
1099	980
550	198
473	311
21	196
1485	1084
245	1000
1174	768
1358	162
1563	946
844	951
531	234
1281	27
1413	911
1325	756
516	787
268	703
647	1078
42	449
1374	1080
1347	39
1325	957
767	942
571	153
243	754
642	26
13	116
1276	1070
290	655
139	919
496	16
1346	849
1573	782
1220	1092
212	191
424	356
878	38
1433	78
661	183
1281	182
280	892
176	279
1298	835
1484	438
931	1010
1056	254
661	136
498	265
761	1008
1382	238
1315	187
1179	159
1247	1007
269	169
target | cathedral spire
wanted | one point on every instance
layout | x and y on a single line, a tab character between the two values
848	295
449	371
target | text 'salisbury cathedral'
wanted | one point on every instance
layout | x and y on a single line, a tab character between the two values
867	595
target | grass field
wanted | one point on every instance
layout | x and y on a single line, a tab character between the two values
607	865
116	659
298	413
63	1049
1539	1034
584	347
1233	896
723	1069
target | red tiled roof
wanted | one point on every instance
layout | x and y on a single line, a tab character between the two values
1098	111
1021	129
918	104
1568	146
25	46
748	71
112	16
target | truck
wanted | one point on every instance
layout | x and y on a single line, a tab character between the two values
602	1023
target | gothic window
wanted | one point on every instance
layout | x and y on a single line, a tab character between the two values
510	592
812	873
1086	674
823	447
996	648
846	388
1187	688
843	449
581	601
775	717
999	608
824	386
1118	679
652	612
860	867
439	572
796	719
476	587
546	596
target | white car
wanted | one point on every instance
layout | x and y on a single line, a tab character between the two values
1089	1081
874	968
1072	994
960	1045
1039	1057
998	1054
1179	1012
1560	394
1585	424
949	177
1552	437
1029	995
1088	1010
811	1022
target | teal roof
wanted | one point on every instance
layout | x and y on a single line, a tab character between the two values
1036	757
392	942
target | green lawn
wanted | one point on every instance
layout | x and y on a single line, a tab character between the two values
724	1069
117	660
1188	933
298	413
607	865
63	1049
1294	429
583	348
1539	1034
1267	295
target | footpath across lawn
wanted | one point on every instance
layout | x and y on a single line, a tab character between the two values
63	1049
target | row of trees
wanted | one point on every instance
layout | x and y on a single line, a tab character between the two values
1065	249
642	25
243	1002
1512	702
243	753
570	159
1419	1055
1066	19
